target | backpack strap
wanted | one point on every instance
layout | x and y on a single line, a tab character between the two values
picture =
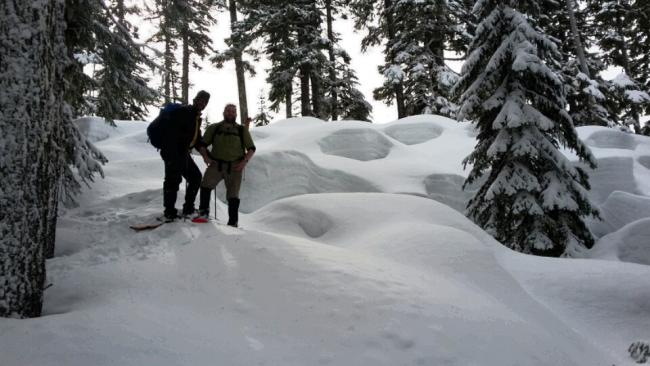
240	129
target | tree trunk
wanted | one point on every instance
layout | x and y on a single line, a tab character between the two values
120	11
185	77
399	90
289	101
305	107
239	65
34	113
167	77
316	96
577	43
625	64
332	70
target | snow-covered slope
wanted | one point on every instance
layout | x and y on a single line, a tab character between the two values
354	252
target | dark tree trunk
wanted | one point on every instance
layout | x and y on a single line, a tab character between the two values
167	73
239	66
305	107
289	101
185	77
332	70
29	191
399	90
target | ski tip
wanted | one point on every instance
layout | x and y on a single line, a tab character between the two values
200	220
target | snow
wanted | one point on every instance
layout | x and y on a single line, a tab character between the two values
355	251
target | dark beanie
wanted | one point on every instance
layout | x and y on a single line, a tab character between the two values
202	95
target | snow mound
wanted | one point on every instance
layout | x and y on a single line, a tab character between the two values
274	175
258	135
612	139
94	128
356	143
413	133
629	244
448	189
343	211
612	174
620	209
644	160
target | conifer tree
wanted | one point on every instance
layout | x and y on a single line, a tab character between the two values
98	32
43	141
533	199
616	25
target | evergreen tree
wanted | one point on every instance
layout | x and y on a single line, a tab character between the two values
344	99
37	122
167	32
377	17
533	200
262	118
290	31
417	34
616	25
192	18
99	33
123	93
238	46
586	91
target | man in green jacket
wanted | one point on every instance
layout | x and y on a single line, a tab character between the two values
232	148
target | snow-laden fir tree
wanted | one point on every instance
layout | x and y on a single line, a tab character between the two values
163	13
416	34
122	90
533	199
377	17
343	99
39	142
586	91
262	118
238	46
98	32
268	22
616	26
193	19
292	41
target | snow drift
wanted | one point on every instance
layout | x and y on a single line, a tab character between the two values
354	251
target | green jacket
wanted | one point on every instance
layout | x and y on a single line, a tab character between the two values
226	141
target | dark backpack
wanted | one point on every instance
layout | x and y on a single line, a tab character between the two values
157	128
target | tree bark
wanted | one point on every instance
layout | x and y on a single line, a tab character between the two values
289	101
185	77
316	95
399	90
332	70
167	77
305	107
239	65
34	113
577	43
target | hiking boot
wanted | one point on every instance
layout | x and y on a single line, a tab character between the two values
233	211
169	217
189	213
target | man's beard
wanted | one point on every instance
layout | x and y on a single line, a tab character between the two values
229	119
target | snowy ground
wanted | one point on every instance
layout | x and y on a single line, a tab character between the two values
353	252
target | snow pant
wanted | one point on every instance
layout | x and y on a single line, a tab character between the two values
212	177
176	168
